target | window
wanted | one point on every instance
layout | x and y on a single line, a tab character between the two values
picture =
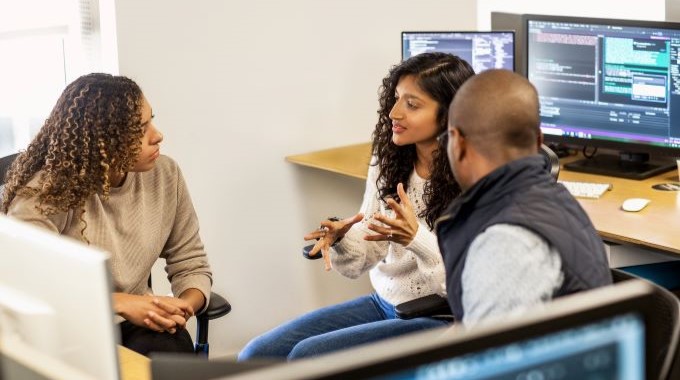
44	44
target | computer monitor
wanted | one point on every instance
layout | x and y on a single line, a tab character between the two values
23	362
482	50
611	84
55	297
512	21
603	333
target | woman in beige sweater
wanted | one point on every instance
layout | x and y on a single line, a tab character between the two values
94	173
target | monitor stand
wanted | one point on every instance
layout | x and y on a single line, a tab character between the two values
625	165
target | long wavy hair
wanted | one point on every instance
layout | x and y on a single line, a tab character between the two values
95	128
439	75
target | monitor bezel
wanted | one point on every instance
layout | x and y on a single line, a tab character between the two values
490	32
656	150
67	264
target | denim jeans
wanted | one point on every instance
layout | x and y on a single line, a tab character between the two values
362	320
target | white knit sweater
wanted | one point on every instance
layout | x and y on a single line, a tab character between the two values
398	273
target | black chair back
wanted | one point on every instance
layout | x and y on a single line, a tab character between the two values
5	163
552	162
665	328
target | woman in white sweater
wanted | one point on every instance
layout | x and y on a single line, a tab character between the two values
95	173
409	184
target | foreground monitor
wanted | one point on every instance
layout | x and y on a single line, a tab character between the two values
604	334
608	83
55	299
482	50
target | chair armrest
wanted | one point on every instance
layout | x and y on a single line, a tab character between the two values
217	307
427	306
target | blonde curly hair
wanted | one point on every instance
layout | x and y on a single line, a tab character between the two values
94	129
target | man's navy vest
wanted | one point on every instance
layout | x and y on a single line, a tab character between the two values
523	193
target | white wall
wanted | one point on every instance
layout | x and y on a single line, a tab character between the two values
641	10
673	10
238	85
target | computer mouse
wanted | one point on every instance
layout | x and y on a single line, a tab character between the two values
634	204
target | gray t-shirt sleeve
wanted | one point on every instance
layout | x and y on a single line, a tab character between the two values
508	269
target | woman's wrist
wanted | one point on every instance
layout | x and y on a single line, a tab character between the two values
118	301
195	298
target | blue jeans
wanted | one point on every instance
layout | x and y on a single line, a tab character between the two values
362	320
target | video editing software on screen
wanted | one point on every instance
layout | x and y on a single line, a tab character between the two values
609	82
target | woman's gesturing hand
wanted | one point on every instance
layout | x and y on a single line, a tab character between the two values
401	229
328	233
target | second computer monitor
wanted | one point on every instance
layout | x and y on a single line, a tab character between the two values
483	50
608	83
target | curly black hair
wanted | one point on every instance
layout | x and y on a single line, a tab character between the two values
94	129
440	75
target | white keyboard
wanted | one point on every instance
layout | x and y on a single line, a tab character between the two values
591	190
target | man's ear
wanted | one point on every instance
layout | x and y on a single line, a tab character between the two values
460	143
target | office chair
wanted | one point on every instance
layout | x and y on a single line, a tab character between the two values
552	162
5	163
217	307
665	328
674	372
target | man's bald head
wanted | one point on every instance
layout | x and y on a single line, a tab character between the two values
498	113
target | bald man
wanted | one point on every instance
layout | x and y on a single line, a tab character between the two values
514	238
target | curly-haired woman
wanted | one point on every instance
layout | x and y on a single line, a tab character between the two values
94	172
409	184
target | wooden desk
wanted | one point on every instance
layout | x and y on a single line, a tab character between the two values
351	160
133	366
657	226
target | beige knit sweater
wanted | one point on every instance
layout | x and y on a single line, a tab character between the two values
149	216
